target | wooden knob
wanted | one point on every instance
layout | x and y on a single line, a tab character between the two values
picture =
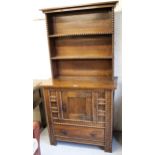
64	132
93	135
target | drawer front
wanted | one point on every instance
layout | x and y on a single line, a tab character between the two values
79	132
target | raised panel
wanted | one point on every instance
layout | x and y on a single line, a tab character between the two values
77	105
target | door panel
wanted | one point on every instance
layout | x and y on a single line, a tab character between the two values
77	105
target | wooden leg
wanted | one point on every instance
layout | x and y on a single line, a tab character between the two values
108	147
53	141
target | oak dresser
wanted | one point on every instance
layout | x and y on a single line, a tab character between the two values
79	98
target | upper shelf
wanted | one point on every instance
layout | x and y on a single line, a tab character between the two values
79	34
80	57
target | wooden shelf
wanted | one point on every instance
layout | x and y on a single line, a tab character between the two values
84	79
79	34
80	57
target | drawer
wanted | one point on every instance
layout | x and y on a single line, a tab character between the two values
79	132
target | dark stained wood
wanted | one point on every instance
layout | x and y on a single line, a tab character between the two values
79	96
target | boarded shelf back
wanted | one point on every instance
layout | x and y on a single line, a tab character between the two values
83	68
90	21
85	46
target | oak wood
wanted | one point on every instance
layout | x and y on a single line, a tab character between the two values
84	68
71	101
96	46
82	84
49	117
79	96
80	34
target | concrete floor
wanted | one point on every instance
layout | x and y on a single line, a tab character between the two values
64	148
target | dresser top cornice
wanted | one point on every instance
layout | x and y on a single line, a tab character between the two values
80	7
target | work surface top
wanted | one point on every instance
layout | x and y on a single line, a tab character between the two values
81	84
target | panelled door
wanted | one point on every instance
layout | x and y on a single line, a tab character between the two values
77	105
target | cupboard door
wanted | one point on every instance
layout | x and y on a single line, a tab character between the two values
77	105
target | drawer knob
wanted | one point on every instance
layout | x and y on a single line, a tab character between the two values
64	132
93	135
64	107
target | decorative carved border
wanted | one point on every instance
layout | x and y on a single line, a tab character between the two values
82	125
108	125
49	119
